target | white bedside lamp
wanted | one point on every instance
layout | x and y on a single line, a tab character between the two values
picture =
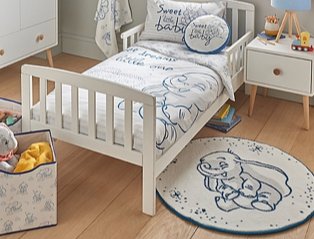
290	6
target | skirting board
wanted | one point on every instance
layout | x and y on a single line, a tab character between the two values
81	46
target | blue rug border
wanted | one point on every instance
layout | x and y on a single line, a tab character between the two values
262	232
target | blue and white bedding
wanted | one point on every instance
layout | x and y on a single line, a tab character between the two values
185	85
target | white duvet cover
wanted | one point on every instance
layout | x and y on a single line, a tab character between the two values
184	83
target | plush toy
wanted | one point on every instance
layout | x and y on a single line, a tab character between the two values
36	154
8	146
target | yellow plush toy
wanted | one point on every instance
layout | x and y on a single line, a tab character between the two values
36	154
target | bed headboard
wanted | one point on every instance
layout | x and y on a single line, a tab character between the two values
240	16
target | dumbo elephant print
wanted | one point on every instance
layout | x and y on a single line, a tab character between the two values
173	116
241	183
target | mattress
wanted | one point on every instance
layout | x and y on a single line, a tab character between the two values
184	83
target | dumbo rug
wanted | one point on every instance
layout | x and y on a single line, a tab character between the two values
238	186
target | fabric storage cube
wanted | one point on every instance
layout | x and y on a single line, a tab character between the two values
29	200
12	106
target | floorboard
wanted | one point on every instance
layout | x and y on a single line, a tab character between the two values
123	218
166	225
99	197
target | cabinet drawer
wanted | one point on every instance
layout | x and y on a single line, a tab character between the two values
9	16
10	48
292	74
22	44
37	11
40	36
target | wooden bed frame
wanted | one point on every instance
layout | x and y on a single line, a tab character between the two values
147	159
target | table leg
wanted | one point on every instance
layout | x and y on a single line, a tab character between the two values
265	92
49	57
306	108
252	99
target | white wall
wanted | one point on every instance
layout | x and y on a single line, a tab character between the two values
78	28
263	8
78	25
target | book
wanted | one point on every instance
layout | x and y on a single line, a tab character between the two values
226	121
222	112
236	119
268	37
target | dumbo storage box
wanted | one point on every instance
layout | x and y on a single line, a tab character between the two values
29	200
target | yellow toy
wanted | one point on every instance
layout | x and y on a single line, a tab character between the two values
36	154
305	39
302	43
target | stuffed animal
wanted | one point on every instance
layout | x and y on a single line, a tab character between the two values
8	146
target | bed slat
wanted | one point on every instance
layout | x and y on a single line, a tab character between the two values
125	44
249	21
138	36
109	118
91	114
74	109
43	103
235	22
131	40
58	104
128	132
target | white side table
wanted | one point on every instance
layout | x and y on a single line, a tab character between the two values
281	68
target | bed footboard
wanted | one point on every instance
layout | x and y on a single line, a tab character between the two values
125	152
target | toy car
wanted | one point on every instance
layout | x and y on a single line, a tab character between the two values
302	43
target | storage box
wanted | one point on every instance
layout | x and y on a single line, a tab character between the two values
29	200
11	105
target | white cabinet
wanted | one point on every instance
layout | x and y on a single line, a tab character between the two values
27	27
281	68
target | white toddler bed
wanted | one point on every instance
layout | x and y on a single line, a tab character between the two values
147	118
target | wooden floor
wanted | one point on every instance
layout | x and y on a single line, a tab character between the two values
99	197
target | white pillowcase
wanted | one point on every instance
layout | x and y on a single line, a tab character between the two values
207	34
166	20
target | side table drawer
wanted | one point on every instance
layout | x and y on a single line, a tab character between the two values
284	72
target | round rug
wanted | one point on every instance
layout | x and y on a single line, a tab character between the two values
238	186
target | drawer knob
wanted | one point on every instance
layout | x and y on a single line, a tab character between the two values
39	38
277	72
1	52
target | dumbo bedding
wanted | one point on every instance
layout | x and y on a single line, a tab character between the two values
184	83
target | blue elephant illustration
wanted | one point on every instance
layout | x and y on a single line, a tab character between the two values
243	183
174	116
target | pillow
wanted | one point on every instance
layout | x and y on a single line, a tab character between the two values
207	34
166	20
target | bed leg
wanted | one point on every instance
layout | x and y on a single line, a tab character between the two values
149	159
149	188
